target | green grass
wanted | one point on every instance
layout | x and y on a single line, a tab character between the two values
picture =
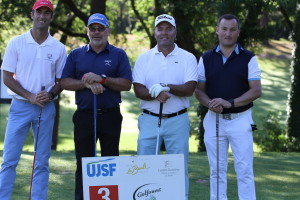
277	175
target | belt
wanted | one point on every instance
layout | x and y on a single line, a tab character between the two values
101	110
26	101
231	116
164	116
23	100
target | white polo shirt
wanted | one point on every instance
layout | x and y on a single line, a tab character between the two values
34	65
177	68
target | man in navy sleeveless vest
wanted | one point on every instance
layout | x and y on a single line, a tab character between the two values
228	83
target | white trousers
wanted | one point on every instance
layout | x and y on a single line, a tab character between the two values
238	134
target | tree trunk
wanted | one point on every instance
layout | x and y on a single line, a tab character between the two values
98	6
201	112
57	116
293	111
184	35
55	127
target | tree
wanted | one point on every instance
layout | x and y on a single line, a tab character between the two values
293	111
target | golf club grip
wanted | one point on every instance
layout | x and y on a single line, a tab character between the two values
160	114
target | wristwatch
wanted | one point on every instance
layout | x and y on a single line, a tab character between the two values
231	101
103	76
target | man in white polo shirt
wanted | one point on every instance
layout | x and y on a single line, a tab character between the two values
32	67
165	74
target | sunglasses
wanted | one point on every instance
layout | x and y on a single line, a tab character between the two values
99	29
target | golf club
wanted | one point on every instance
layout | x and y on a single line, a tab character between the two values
217	148
159	124
35	147
95	125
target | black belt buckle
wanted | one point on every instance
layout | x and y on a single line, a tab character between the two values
227	116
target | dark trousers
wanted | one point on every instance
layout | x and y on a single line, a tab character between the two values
108	133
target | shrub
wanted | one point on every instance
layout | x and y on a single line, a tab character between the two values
272	136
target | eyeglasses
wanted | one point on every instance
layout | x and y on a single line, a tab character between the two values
99	29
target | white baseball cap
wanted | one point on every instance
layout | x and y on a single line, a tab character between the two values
164	18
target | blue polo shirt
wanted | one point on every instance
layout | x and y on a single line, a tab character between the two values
112	61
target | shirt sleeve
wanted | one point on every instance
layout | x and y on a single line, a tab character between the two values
201	71
125	69
254	72
10	57
191	70
61	62
69	68
138	74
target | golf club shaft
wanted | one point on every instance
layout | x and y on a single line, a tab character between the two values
95	125
217	149
159	124
35	147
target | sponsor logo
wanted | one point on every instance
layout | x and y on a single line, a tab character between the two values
150	191
108	192
135	169
164	17
107	62
96	169
168	169
97	17
49	55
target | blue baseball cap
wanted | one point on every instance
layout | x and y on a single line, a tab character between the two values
98	19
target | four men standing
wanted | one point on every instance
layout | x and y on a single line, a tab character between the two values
164	78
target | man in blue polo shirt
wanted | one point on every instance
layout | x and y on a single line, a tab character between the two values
103	70
229	82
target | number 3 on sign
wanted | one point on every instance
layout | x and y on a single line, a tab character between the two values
105	192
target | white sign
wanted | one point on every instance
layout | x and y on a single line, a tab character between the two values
149	177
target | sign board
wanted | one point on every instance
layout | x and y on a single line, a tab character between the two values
149	177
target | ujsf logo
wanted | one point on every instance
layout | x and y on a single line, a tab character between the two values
96	169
